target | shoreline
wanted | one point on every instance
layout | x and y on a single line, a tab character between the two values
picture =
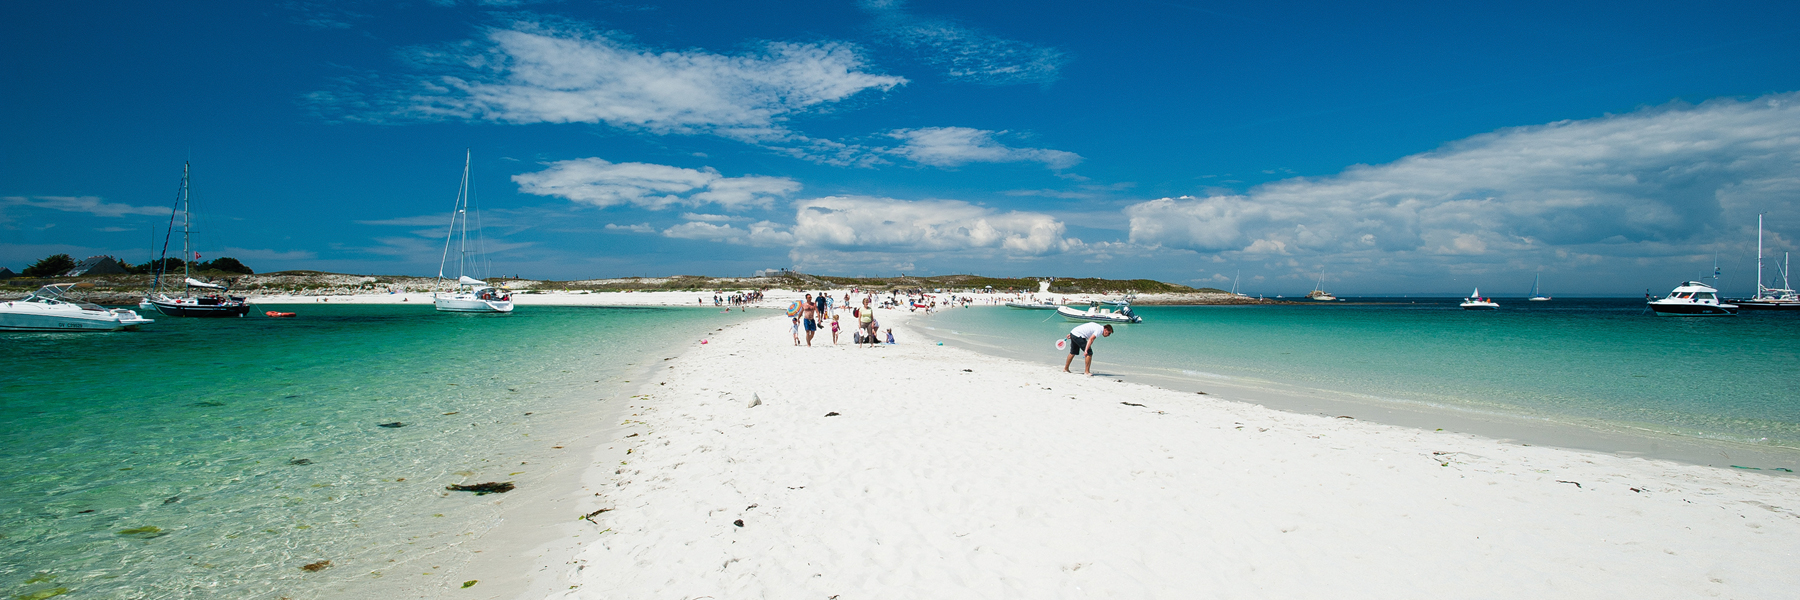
925	467
1621	439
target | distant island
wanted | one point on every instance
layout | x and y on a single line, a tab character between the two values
120	283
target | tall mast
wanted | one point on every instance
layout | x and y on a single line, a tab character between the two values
1759	279
187	222
462	257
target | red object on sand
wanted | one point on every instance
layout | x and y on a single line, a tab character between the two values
279	315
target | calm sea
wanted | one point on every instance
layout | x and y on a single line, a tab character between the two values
1606	362
215	457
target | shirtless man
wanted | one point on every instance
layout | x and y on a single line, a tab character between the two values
809	317
1082	337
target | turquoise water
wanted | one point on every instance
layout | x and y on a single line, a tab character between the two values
1605	361
214	457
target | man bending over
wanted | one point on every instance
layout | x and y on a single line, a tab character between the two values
1082	338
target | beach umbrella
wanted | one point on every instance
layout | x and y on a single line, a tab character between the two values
793	308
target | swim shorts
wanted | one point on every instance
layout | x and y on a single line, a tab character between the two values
811	325
1077	344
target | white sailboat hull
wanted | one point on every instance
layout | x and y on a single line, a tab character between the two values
470	304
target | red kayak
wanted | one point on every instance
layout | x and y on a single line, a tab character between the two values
279	315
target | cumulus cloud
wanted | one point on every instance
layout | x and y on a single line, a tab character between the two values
601	183
543	72
954	146
859	223
963	53
1669	179
92	205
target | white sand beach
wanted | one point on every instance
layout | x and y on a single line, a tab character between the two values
918	470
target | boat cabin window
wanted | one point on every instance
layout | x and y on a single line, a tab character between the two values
1682	295
1703	295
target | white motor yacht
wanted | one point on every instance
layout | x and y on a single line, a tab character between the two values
47	310
1476	302
1097	314
1692	299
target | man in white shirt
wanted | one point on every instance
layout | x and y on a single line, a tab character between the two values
1083	337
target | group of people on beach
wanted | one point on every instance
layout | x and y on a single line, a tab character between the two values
738	299
822	311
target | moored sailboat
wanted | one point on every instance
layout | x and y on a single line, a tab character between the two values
213	300
468	294
1768	298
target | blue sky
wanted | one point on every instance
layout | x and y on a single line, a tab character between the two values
1401	148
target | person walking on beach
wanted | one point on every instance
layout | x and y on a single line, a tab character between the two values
834	329
809	317
794	328
1081	338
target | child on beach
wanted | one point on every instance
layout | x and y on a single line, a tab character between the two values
834	329
795	329
890	335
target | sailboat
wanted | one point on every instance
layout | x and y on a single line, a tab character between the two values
469	294
1537	293
213	300
1318	292
1768	298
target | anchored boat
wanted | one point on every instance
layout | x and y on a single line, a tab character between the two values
1692	299
1476	302
1095	313
469	294
1768	298
213	300
47	310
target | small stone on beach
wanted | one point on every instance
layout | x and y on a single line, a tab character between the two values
315	567
831	414
300	461
393	425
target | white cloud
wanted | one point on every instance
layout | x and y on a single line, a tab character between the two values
954	146
638	228
761	233
540	72
963	53
1673	179
92	205
889	225
600	183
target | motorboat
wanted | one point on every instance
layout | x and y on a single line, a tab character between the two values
1476	302
1032	305
47	310
468	295
213	300
1692	299
1096	313
1768	298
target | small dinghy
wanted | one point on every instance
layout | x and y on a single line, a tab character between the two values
279	315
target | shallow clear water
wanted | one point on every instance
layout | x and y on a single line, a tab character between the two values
163	463
1605	360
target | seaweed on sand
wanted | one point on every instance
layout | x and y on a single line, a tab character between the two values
483	489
